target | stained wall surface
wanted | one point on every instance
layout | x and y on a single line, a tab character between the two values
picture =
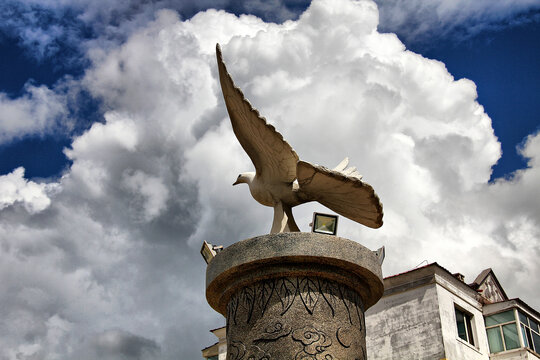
517	354
449	297
405	325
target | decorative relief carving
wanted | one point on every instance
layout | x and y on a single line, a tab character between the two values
315	343
330	293
232	308
277	316
264	293
286	290
359	308
238	351
344	336
235	350
309	293
310	290
272	332
256	353
247	300
353	304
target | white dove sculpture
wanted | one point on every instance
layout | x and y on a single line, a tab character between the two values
281	180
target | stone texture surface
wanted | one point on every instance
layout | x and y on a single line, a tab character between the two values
294	296
296	318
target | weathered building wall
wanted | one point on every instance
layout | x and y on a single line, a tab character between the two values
516	354
405	325
490	290
449	296
222	351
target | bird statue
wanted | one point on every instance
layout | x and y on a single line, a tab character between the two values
281	180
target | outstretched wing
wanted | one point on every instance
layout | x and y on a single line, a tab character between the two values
273	157
347	195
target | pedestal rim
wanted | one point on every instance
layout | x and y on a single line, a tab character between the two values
310	252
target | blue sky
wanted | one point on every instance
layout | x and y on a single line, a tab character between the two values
116	153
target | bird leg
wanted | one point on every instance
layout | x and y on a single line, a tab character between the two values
291	224
279	224
283	219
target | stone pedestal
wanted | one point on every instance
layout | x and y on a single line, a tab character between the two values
294	296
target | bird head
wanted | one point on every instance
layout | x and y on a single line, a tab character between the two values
246	177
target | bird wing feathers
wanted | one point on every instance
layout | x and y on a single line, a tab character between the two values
347	195
274	159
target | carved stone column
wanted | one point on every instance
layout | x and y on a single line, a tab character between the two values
294	296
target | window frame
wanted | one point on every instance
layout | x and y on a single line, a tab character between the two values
500	326
469	326
528	331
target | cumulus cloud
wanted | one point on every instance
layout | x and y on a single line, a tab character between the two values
108	265
38	111
118	344
15	189
151	188
70	33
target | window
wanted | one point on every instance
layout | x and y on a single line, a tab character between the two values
464	326
502	332
530	332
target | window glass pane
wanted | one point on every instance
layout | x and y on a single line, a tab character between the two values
523	318
460	320
510	336
524	335
469	329
500	318
534	325
495	340
536	341
529	337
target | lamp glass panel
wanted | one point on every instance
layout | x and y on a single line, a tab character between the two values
325	224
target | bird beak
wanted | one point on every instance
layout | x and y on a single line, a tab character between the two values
236	182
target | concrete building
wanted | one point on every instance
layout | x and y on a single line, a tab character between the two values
217	351
430	313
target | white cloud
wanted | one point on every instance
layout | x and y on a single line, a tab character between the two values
14	188
151	188
108	263
38	111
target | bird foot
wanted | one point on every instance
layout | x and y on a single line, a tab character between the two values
283	220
